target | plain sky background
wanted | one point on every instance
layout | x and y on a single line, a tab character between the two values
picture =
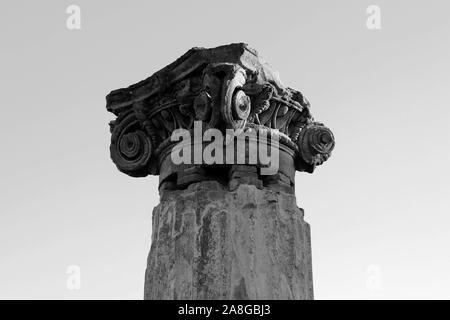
379	208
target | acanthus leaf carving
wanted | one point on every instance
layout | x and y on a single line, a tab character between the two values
223	90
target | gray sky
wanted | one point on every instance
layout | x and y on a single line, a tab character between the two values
378	208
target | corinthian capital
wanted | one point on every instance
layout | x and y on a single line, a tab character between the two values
223	88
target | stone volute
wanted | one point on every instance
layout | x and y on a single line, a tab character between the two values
227	226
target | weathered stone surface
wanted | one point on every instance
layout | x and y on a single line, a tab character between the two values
227	87
224	229
212	243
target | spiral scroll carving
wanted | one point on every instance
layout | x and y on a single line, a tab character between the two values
228	87
236	104
131	148
315	143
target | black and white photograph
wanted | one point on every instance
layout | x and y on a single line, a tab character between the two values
225	150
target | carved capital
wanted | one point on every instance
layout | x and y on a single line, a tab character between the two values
228	87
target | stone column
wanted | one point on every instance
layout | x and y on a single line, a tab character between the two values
226	138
